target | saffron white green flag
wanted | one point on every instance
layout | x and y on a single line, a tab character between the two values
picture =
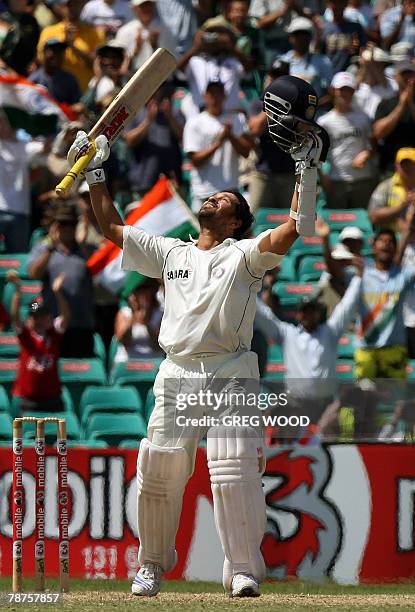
160	212
30	107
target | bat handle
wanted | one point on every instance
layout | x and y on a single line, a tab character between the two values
73	174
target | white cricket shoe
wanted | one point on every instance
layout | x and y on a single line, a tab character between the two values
244	585
147	581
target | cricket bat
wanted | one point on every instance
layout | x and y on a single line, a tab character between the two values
122	110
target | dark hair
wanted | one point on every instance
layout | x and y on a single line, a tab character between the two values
383	231
243	213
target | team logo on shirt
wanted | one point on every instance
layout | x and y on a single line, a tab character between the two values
175	274
218	272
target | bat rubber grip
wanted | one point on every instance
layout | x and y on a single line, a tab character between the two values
73	174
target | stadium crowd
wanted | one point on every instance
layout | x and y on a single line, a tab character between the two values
342	304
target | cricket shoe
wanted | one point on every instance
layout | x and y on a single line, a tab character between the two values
147	581
244	585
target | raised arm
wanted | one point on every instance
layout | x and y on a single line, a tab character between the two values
107	216
282	237
12	277
63	305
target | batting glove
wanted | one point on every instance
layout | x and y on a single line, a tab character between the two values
81	146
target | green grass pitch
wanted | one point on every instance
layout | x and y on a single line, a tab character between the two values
114	595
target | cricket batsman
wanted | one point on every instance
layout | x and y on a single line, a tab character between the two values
206	331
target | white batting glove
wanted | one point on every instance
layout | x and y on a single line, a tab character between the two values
309	154
81	145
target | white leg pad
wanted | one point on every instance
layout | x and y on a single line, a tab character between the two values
235	466
162	474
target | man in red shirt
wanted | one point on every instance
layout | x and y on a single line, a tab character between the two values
37	384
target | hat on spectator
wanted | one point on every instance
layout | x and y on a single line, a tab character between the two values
138	2
66	213
376	54
350	233
401	51
343	79
110	46
405	153
405	66
300	24
341	251
54	43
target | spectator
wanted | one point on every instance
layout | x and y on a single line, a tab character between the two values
14	189
397	24
56	160
137	325
361	12
107	15
213	57
61	253
273	18
394	126
341	39
392	196
144	33
19	37
406	257
179	17
110	68
89	235
353	169
312	67
61	84
342	257
81	40
380	332
249	40
272	182
214	141
373	84
37	385
310	348
153	140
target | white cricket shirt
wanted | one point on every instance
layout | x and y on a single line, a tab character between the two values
209	295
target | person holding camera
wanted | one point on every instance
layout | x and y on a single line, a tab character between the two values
213	57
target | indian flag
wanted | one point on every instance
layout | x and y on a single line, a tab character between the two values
160	212
30	107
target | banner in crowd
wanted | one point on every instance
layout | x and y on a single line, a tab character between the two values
161	211
31	107
339	511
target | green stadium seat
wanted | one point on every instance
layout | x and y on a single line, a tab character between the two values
271	217
78	374
138	372
345	370
338	219
30	290
37	235
99	348
66	399
287	272
6	428
112	351
129	444
275	371
310	269
114	428
14	261
410	369
346	347
109	399
9	345
275	352
73	430
8	373
87	444
149	405
293	293
4	401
